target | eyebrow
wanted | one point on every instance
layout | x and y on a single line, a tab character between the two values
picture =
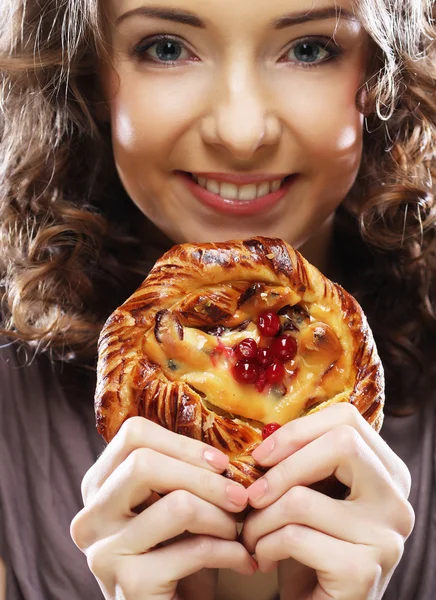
188	18
320	14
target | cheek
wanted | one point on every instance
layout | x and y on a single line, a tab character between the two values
148	124
336	138
326	122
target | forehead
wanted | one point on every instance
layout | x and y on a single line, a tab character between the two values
247	13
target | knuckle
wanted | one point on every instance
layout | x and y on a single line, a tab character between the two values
409	520
348	413
368	577
405	518
182	506
366	572
98	560
347	439
298	502
291	534
79	530
204	549
392	548
133	432
139	463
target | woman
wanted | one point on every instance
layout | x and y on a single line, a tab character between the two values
114	115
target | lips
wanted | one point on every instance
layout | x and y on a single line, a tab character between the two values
236	206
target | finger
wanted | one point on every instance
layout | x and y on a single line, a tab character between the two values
344	570
173	515
140	576
148	575
344	520
136	479
185	557
298	433
146	471
340	452
304	506
138	432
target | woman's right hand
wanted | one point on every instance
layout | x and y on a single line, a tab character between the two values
133	553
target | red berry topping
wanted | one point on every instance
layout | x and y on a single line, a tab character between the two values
269	324
275	373
265	357
269	429
261	382
284	347
246	349
245	371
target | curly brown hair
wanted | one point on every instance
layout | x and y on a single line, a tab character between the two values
69	249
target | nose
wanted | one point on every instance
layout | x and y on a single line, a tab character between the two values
241	118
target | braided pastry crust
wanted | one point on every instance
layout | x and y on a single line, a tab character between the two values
168	353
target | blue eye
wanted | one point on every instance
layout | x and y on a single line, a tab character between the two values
166	50
312	53
309	52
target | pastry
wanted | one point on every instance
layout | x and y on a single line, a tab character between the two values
226	342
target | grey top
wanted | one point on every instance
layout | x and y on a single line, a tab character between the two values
48	441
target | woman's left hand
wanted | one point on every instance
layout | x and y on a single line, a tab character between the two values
331	549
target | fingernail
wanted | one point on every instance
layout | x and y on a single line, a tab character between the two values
258	490
237	494
216	459
264	450
254	564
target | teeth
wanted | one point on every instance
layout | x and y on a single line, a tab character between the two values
231	191
275	185
264	188
213	186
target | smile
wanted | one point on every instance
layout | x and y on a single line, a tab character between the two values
250	199
231	191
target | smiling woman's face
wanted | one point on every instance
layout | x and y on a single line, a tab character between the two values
235	87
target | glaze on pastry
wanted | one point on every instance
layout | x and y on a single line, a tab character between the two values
225	342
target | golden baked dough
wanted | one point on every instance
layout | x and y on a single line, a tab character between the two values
168	353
